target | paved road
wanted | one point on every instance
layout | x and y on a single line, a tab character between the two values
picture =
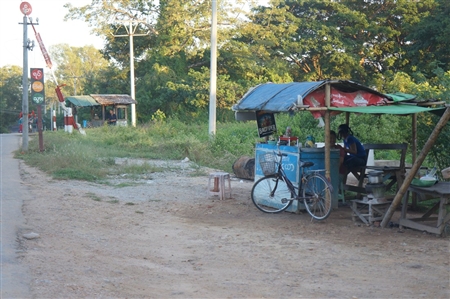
14	276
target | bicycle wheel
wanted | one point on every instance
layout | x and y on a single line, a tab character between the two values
270	194
317	192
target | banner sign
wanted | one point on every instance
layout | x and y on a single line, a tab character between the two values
342	99
266	123
37	85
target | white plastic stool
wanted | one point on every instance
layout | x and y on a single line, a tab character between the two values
218	188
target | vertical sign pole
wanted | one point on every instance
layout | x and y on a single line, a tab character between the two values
25	87
39	124
133	96
213	71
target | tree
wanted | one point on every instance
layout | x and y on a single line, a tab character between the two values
428	41
82	69
10	96
306	37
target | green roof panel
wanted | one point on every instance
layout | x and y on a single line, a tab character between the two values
398	109
400	96
82	101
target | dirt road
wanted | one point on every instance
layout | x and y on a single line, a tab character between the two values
162	237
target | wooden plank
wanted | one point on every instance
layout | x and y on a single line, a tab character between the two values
420	227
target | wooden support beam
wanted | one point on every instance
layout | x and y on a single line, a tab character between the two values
327	133
404	187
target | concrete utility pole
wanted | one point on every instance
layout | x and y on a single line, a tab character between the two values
213	71
27	45
131	33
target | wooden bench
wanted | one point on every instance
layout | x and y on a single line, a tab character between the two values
427	222
392	174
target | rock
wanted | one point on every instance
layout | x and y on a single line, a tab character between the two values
30	236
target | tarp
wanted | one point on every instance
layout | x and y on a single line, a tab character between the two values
400	96
82	101
398	109
101	100
346	96
285	97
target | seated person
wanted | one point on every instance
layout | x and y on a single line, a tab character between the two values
355	154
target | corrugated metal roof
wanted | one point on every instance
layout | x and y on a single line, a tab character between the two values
113	99
82	101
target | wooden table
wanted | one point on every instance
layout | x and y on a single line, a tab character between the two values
391	174
440	190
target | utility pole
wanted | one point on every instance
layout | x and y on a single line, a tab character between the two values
213	71
26	9
131	33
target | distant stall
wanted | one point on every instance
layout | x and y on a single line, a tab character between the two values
119	103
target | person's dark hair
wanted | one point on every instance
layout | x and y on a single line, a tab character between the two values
333	133
344	129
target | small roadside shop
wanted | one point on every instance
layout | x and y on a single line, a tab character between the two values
323	99
119	103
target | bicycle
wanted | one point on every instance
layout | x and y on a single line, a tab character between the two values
274	192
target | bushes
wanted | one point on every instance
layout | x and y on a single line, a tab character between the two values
92	156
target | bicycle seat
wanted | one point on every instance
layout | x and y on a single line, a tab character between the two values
306	164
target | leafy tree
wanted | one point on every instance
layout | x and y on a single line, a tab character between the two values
428	41
10	96
76	66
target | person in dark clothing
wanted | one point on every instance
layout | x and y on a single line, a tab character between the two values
112	120
355	154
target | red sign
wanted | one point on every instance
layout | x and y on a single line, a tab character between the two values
37	74
25	8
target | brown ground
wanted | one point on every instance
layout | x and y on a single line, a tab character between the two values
165	238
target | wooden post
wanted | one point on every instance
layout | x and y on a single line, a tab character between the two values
327	132
39	128
414	153
404	187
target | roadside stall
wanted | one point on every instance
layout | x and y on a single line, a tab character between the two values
322	99
119	103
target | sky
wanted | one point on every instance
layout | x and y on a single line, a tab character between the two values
52	28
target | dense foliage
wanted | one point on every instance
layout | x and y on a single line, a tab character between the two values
391	45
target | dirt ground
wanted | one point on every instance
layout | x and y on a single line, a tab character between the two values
163	237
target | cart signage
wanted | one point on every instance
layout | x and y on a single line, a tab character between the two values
266	123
